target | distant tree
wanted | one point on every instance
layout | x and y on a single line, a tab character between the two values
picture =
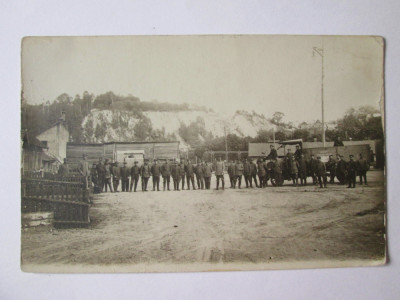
301	134
263	136
277	118
89	131
143	129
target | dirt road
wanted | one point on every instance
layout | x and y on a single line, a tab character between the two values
272	225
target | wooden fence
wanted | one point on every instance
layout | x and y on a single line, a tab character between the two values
68	197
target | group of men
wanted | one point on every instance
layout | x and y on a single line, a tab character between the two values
293	166
105	175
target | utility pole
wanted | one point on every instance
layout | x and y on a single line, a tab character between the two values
226	145
320	51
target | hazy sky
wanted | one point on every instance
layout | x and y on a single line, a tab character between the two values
226	73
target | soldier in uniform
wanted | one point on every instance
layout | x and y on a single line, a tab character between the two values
331	168
298	152
273	154
64	169
246	172
341	169
269	171
93	176
231	174
288	158
166	174
321	172
116	173
107	176
219	172
302	170
189	171
278	172
145	174
200	175
135	174
155	173
261	173
101	174
294	170
351	172
84	170
253	173
207	175
239	172
182	172
125	173
362	168
338	142
313	168
176	175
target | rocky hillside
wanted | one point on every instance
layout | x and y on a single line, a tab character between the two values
108	125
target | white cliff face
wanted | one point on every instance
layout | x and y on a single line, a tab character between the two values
119	125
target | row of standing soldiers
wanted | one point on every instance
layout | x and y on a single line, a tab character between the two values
104	174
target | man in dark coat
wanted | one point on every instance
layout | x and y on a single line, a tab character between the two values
145	173
176	175
338	142
107	175
331	168
278	172
321	172
273	154
155	173
135	174
101	174
261	173
166	174
239	172
313	168
189	172
116	173
246	172
341	169
362	168
199	171
125	173
182	172
302	170
207	175
253	173
64	169
298	152
231	174
294	170
351	172
94	177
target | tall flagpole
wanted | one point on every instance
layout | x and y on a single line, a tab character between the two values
320	51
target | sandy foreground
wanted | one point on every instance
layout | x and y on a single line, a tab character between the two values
231	229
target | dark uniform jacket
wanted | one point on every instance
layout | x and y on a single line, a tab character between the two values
145	171
125	172
239	169
155	170
189	169
331	165
277	167
320	168
166	170
351	167
298	153
253	169
302	166
246	169
135	171
101	170
207	170
199	170
261	169
175	171
231	169
108	172
63	170
116	172
341	166
294	166
363	164
273	154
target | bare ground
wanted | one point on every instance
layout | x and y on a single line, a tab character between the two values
277	224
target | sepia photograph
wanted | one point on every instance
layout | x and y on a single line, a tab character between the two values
202	153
